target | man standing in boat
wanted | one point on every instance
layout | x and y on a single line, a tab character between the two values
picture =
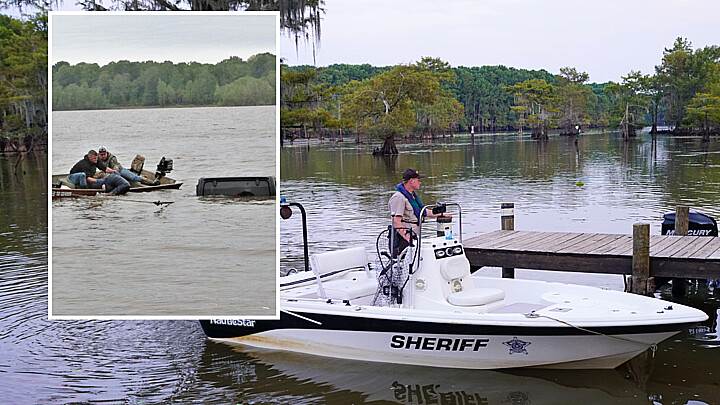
109	160
407	210
81	175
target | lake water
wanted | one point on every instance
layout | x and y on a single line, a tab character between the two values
199	256
345	192
151	362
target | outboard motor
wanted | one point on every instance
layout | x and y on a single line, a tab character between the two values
165	166
698	225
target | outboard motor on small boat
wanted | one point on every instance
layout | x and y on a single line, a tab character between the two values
165	166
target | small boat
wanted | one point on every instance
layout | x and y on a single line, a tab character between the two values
71	192
425	308
61	184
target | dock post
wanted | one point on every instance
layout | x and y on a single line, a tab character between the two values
641	259
682	225
682	220
507	223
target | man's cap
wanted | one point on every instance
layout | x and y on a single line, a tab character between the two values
411	173
102	150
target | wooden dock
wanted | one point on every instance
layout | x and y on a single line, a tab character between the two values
670	256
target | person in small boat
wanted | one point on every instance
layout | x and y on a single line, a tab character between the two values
407	210
114	183
81	175
109	160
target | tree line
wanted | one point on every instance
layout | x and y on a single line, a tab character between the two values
683	94
429	98
23	82
231	82
23	56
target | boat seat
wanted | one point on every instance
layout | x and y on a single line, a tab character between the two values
332	264
463	293
338	261
355	284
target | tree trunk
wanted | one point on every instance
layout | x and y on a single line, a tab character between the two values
653	130
626	124
543	136
540	132
388	147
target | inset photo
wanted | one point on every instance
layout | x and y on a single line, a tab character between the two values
164	151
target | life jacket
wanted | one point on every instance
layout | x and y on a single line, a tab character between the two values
417	205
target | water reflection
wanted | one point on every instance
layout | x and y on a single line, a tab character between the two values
313	379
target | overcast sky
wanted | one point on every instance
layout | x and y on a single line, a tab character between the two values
178	37
605	38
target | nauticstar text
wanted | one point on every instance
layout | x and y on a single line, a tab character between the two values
234	322
434	343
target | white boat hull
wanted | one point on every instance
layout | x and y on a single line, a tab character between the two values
448	318
495	340
462	351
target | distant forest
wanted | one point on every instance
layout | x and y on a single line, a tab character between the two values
430	98
232	82
23	82
486	105
479	89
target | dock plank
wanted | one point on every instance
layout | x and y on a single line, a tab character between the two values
709	250
676	246
599	241
555	243
498	238
619	246
489	237
660	242
690	250
521	243
579	245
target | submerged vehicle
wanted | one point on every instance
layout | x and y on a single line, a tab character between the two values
63	188
425	308
246	186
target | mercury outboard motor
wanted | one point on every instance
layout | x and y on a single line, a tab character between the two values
698	225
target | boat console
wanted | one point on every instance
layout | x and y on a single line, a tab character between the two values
443	280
